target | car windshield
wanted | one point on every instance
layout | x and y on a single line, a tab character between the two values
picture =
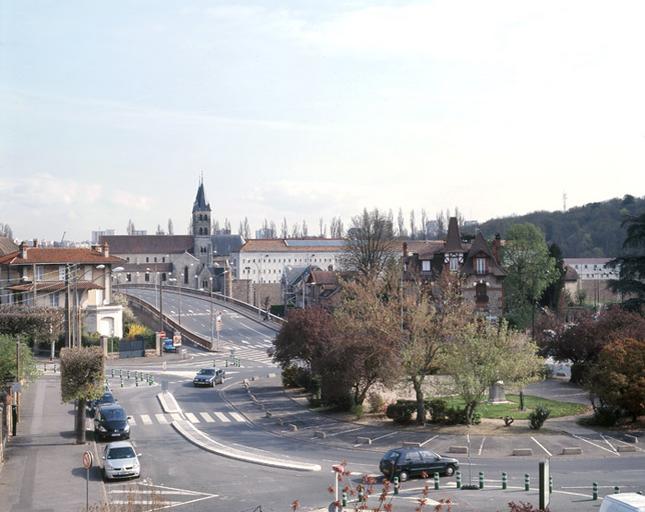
123	452
391	455
207	371
107	398
113	414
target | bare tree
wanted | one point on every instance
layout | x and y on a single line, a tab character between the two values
370	244
441	225
5	230
273	229
227	226
246	229
424	223
400	221
295	230
460	217
321	224
305	229
284	228
413	225
336	228
170	227
216	228
159	230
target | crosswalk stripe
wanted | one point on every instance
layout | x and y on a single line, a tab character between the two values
207	417
222	417
191	417
131	421
161	418
145	419
176	416
237	417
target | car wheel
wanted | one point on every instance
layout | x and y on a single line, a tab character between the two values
450	470
403	476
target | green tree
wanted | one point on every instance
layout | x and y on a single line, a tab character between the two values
631	281
82	377
530	270
8	353
481	354
618	379
34	324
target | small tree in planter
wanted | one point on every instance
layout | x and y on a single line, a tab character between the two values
538	417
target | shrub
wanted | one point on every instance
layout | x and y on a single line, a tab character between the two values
401	411
296	377
357	410
437	410
538	417
375	401
606	416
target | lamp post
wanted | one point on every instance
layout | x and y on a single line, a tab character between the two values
180	280
248	274
211	308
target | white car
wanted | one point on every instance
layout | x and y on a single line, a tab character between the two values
120	460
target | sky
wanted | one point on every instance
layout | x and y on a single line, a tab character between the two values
111	111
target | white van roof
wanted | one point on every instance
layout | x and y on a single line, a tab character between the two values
631	501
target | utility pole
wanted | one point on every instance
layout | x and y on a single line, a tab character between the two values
160	303
33	270
68	315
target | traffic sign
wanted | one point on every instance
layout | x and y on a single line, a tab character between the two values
87	459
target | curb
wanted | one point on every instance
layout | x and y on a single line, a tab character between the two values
168	403
198	438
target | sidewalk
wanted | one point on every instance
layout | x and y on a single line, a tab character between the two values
43	468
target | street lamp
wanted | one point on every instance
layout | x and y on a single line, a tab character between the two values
210	279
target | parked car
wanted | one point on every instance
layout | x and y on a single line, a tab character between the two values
169	346
106	398
110	422
409	462
209	377
120	461
623	502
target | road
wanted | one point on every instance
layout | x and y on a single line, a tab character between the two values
192	479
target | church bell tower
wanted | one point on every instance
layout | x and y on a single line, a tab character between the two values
203	246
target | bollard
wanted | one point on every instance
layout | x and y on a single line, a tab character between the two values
527	482
458	476
504	481
360	494
594	491
136	381
44	367
121	381
112	372
54	368
481	479
344	501
226	363
396	485
120	372
128	374
550	484
436	481
616	489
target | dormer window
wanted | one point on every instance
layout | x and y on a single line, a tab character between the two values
454	263
480	265
426	265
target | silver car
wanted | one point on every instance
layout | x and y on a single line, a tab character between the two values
120	460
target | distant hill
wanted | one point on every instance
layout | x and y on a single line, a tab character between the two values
589	231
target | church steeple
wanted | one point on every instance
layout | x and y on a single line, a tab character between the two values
202	225
200	204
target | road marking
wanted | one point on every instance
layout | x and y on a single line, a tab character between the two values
145	419
144	502
345	431
596	445
237	417
428	440
244	341
222	417
176	416
610	445
161	418
383	436
625	443
191	417
131	421
481	446
207	417
540	445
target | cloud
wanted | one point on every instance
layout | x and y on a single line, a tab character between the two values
44	189
122	198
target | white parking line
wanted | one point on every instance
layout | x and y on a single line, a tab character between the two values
383	436
207	417
610	445
540	445
191	417
624	443
428	440
481	446
345	431
596	445
145	419
222	417
161	418
237	417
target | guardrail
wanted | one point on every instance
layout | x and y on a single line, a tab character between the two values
249	310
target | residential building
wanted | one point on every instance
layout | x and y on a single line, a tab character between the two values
592	276
42	276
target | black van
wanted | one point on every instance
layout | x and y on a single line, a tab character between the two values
111	422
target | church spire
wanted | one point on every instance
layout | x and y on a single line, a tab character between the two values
200	204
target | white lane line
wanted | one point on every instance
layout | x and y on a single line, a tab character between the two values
176	416
610	445
161	418
207	417
145	419
345	431
144	502
237	417
383	436
541	446
428	440
481	446
596	445
191	417
222	417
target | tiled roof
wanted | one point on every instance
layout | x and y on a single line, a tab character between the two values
453	239
587	261
149	244
570	273
59	255
478	246
279	245
324	277
7	246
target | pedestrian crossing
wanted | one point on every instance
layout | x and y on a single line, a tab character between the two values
193	417
255	353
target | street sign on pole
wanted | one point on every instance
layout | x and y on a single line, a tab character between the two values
545	495
87	459
87	464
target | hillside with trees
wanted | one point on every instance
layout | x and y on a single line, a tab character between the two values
591	231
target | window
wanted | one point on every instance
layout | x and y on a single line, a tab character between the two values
480	265
155	259
454	263
54	300
127	258
147	259
163	259
61	272
128	277
40	273
163	276
147	277
425	266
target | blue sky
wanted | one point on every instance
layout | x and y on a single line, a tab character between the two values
110	111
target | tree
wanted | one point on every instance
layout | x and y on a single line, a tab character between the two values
227	226
530	270
5	230
441	225
413	225
305	229
336	228
631	281
81	379
35	324
284	228
553	292
424	224
170	228
10	346
130	229
370	244
400	223
618	379
481	354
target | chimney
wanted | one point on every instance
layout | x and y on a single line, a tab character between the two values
497	245
35	242
106	249
23	250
